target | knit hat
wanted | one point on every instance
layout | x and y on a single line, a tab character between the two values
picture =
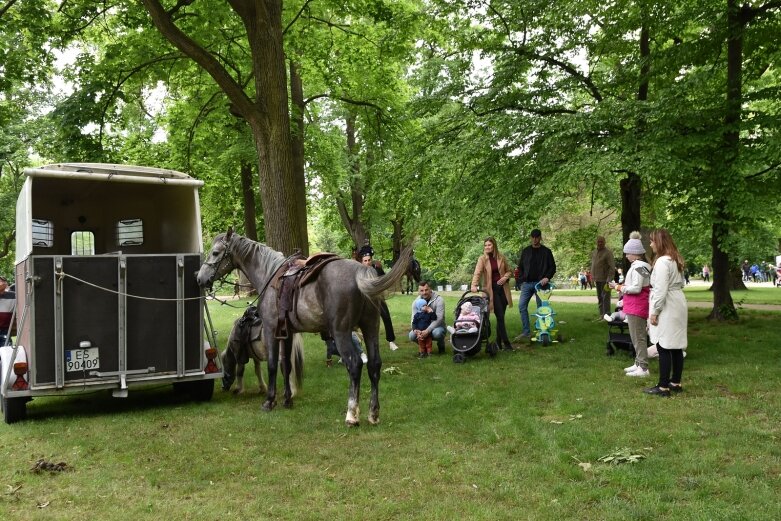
634	245
419	303
466	307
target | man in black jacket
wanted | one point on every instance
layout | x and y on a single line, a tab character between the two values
535	265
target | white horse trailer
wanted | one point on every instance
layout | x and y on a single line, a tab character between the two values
106	257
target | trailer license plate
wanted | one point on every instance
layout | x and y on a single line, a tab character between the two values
82	359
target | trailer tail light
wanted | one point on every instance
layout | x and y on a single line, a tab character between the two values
211	365
20	369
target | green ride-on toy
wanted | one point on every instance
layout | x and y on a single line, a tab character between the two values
546	332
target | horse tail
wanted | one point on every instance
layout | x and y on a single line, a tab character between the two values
297	363
373	287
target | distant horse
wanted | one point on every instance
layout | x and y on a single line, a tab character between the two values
344	295
413	276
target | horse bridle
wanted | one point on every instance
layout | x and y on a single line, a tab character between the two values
216	265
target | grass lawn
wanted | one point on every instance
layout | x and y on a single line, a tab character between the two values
753	295
498	438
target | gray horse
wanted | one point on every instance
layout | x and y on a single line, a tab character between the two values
343	296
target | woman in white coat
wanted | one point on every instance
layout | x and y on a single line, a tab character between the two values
667	312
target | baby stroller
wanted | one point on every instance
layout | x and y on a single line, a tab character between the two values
546	331
617	334
468	342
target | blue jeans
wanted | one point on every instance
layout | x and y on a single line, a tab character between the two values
527	290
437	334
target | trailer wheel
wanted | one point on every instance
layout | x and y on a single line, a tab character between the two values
200	390
14	409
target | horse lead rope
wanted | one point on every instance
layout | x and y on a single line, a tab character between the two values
61	274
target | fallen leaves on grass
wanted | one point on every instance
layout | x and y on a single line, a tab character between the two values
392	370
42	465
623	455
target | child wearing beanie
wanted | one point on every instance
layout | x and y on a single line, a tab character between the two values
635	291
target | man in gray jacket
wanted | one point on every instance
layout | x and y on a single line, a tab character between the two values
603	267
436	304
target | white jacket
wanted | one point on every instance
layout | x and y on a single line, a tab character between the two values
669	304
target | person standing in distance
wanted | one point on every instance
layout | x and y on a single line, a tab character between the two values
535	265
492	267
603	267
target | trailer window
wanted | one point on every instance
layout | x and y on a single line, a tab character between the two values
82	243
43	233
130	232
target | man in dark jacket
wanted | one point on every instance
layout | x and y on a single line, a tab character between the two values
535	265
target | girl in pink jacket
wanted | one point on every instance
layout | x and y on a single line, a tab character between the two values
636	290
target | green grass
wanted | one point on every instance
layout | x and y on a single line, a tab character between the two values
490	439
698	293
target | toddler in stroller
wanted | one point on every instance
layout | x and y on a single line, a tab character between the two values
618	315
467	320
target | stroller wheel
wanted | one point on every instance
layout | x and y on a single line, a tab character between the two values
458	358
610	350
492	349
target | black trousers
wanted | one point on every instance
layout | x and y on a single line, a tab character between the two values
500	307
390	336
670	359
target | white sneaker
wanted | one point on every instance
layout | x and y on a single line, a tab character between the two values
393	346
451	329
631	368
639	372
364	358
607	318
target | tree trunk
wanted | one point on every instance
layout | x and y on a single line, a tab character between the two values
631	185
630	208
248	195
353	219
723	306
398	236
297	131
266	110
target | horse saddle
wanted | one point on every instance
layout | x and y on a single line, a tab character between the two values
248	330
297	273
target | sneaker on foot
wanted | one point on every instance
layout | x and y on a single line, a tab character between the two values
451	329
639	372
393	346
364	358
657	391
631	368
472	330
607	318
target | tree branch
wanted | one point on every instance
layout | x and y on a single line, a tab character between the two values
297	16
566	67
199	55
6	7
763	172
520	108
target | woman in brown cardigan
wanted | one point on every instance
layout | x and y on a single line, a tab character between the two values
495	272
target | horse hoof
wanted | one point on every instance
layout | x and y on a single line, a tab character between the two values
287	404
374	420
268	406
353	423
